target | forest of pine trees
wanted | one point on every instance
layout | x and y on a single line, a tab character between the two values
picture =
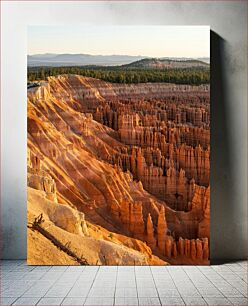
191	76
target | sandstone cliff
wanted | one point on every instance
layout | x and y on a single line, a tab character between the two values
130	161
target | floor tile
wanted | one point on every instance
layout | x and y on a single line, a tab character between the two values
106	292
75	269
27	301
85	280
238	301
74	301
99	301
124	275
125	268
38	289
50	301
147	292
145	283
108	268
149	301
230	292
126	292
106	276
91	268
13	292
121	301
42	268
189	293
217	301
103	283
58	291
194	301
79	291
165	284
125	283
171	301
7	301
58	268
52	276
211	293
165	292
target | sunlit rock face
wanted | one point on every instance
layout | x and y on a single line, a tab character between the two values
120	168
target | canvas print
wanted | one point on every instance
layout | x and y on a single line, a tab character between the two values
118	145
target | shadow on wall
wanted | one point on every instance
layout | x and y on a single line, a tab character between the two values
222	175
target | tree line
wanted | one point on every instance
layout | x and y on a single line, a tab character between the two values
191	76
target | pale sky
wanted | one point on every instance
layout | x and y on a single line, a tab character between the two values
152	41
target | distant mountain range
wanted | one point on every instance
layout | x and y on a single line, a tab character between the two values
57	60
80	60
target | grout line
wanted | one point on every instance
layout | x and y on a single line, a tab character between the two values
211	281
193	282
136	284
117	271
30	285
231	285
14	301
44	293
244	280
175	284
98	267
232	302
79	274
155	286
39	300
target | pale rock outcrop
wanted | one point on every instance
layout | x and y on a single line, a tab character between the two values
69	220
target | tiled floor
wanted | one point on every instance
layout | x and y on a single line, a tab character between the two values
171	285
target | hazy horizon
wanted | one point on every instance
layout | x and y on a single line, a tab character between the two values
140	55
145	41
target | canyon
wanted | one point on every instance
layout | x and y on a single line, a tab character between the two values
118	174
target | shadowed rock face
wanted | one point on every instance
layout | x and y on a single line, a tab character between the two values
130	161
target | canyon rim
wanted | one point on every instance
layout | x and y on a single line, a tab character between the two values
118	146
